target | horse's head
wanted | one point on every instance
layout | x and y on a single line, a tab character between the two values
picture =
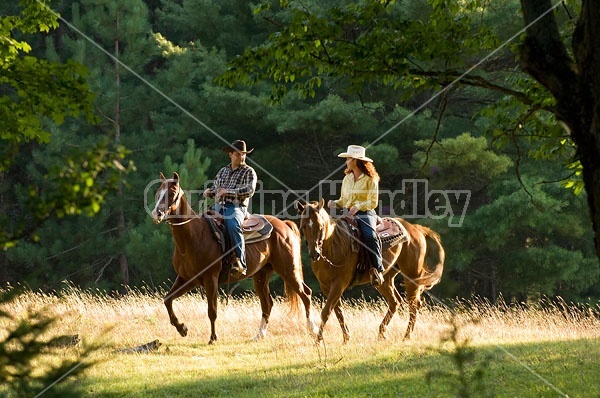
168	197
313	222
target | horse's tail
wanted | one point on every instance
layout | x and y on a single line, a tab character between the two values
435	255
292	299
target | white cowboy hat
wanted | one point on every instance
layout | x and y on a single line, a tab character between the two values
355	152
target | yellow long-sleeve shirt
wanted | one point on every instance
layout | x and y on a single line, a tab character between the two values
363	193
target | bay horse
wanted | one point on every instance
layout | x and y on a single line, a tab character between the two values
197	259
420	260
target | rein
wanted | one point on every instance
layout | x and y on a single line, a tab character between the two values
179	223
328	261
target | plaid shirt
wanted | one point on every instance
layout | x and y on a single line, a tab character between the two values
239	183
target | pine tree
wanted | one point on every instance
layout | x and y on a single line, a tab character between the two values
21	372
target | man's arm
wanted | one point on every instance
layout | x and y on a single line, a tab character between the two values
211	191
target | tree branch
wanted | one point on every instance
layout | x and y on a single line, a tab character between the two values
543	54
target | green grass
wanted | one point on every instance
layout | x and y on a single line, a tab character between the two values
523	352
264	370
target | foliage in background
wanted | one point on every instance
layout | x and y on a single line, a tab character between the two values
459	162
36	95
178	50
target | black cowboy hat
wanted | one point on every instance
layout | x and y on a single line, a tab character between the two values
237	146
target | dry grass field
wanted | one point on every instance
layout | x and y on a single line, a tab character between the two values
545	350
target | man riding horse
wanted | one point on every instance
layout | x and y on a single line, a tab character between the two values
232	189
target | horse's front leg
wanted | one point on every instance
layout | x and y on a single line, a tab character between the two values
333	298
179	288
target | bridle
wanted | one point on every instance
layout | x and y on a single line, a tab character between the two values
176	202
179	194
318	243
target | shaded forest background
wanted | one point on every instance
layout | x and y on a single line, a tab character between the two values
526	231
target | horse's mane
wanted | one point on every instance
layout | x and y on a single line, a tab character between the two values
341	240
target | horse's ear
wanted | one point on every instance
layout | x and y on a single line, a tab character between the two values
321	203
176	177
299	206
162	176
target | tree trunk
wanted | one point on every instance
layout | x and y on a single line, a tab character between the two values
586	46
575	83
123	263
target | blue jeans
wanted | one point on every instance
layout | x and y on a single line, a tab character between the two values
367	222
233	216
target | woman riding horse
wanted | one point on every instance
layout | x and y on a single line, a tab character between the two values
420	260
359	198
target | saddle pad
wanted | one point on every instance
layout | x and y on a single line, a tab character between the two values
255	228
389	230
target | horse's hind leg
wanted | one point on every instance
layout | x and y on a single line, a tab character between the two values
211	286
261	286
413	297
305	294
390	294
298	286
179	288
339	313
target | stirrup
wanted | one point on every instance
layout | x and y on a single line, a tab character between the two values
376	277
237	269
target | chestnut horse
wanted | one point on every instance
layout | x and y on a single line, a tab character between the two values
334	264
197	259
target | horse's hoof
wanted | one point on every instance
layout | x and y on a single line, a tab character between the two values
213	339
312	327
183	330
